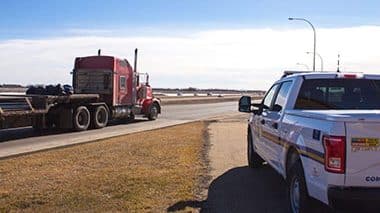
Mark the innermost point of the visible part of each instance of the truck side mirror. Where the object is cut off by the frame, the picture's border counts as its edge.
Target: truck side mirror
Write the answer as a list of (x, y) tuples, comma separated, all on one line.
[(245, 104)]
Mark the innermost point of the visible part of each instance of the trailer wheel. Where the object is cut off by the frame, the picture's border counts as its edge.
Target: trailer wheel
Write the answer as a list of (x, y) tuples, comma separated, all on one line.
[(81, 119), (37, 123), (100, 117), (153, 112)]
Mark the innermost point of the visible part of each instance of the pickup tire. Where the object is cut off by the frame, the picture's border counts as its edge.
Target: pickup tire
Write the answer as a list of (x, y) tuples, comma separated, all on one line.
[(298, 198), (100, 117), (81, 119), (254, 160)]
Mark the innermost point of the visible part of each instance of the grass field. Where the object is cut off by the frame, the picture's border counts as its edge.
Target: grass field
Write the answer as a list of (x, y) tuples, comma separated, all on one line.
[(146, 171)]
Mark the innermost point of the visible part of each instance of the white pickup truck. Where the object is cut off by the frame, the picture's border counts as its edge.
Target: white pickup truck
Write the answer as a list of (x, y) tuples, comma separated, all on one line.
[(321, 132)]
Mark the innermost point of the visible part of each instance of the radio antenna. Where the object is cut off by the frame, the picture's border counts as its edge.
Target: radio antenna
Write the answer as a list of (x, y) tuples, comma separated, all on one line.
[(338, 70)]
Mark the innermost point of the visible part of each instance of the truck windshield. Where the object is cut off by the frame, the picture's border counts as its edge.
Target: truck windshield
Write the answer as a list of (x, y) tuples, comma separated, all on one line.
[(320, 94)]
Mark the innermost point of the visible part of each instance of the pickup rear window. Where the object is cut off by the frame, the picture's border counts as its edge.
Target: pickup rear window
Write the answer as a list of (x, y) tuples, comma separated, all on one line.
[(320, 94)]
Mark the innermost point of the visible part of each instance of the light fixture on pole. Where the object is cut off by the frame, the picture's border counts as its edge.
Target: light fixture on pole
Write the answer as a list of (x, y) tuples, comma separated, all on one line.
[(320, 57), (315, 35), (305, 65)]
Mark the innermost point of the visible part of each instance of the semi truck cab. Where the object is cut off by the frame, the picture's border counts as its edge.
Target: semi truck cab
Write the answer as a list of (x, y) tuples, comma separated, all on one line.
[(124, 90)]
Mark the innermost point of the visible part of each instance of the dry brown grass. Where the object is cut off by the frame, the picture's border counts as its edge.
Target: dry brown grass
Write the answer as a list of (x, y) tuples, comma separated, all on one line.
[(146, 171)]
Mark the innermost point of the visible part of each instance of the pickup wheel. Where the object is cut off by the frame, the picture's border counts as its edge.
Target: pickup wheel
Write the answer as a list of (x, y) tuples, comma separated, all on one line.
[(153, 112), (100, 117), (254, 160), (298, 198), (81, 119)]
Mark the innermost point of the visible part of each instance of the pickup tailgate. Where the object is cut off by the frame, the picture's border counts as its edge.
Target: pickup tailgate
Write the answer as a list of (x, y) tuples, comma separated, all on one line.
[(363, 153)]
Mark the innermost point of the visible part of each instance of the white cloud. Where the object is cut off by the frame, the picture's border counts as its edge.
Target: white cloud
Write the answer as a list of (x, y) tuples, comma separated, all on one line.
[(245, 58)]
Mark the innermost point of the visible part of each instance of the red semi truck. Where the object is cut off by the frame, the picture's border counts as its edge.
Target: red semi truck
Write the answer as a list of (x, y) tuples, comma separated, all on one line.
[(105, 88)]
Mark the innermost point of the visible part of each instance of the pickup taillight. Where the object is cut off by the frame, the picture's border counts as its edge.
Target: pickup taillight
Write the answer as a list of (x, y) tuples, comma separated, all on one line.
[(335, 153)]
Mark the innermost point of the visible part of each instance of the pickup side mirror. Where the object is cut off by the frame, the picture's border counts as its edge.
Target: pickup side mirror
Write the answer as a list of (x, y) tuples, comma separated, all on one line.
[(245, 104), (277, 108)]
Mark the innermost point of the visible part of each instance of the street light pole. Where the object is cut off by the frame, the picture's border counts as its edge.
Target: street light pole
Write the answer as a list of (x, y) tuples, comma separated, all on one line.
[(315, 36), (320, 57), (305, 65)]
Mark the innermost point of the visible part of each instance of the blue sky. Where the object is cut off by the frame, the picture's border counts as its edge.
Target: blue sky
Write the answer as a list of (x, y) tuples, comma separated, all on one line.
[(41, 18), (242, 44)]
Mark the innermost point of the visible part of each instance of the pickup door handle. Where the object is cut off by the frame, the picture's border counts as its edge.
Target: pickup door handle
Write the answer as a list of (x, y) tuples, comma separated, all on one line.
[(262, 121), (275, 125)]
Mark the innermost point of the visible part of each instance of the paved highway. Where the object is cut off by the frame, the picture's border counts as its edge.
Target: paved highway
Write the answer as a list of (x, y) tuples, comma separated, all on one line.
[(25, 140)]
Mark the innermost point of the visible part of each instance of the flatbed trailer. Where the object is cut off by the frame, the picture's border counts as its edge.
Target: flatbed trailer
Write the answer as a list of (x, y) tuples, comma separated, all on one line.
[(43, 111)]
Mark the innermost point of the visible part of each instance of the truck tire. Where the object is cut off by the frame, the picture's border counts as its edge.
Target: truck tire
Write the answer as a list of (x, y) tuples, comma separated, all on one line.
[(298, 198), (153, 112), (100, 117), (40, 123), (81, 119), (37, 123), (130, 118), (254, 160)]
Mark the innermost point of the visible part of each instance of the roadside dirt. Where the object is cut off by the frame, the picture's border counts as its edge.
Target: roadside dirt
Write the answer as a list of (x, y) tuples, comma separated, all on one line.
[(234, 186), (227, 141)]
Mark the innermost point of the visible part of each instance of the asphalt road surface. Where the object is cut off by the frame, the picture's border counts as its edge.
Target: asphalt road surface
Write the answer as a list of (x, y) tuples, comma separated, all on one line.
[(25, 140)]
